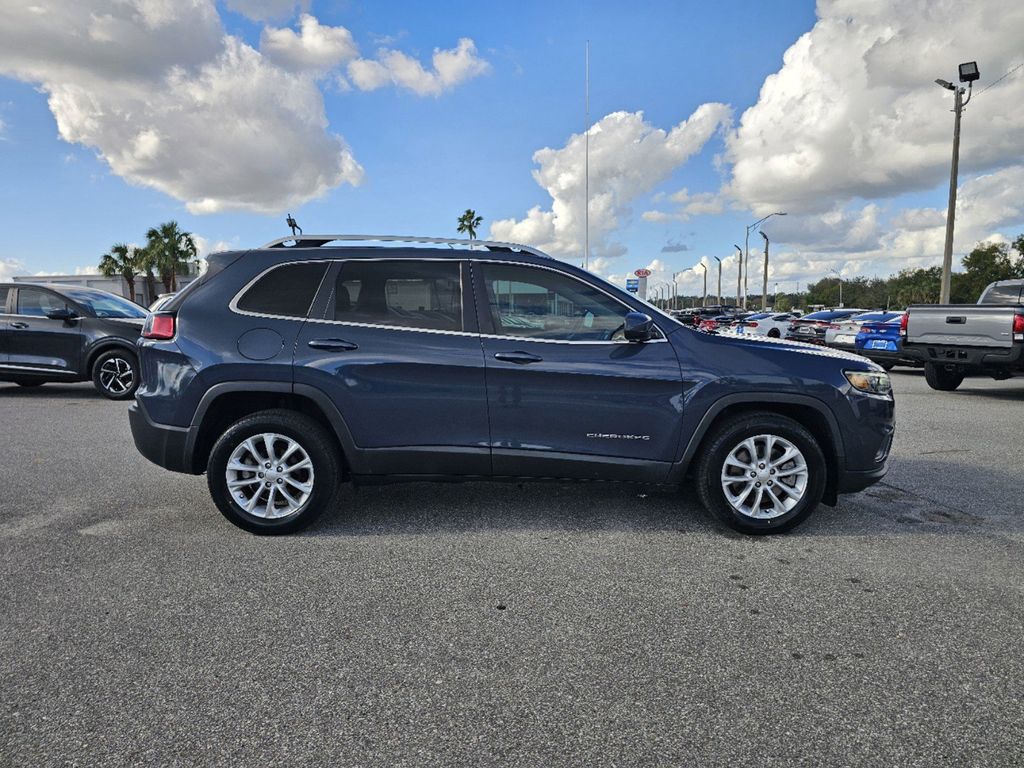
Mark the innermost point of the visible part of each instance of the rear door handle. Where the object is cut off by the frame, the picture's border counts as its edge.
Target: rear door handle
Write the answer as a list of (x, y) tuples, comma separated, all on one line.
[(19, 324), (520, 358), (335, 344)]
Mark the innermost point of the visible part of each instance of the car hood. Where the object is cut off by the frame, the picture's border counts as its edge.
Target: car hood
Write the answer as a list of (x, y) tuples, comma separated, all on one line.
[(796, 347)]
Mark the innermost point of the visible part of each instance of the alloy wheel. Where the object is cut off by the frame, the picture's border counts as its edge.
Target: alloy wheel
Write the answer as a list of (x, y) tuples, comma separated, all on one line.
[(117, 375), (764, 477), (270, 476)]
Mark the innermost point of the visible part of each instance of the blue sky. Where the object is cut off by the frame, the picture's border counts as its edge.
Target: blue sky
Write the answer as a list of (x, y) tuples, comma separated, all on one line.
[(425, 158)]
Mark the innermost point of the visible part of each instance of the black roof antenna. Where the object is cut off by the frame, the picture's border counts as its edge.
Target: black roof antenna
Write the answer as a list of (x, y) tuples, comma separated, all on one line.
[(293, 224)]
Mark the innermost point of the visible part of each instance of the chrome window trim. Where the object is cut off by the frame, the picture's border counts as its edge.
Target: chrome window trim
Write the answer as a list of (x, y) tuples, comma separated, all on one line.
[(233, 304)]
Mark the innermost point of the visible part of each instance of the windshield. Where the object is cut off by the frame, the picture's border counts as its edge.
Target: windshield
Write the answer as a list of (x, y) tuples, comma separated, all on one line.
[(103, 304)]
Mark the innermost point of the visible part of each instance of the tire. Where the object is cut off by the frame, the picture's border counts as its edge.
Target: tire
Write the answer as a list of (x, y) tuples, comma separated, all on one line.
[(941, 379), (887, 366), (791, 508), (296, 508), (115, 374), (774, 333), (30, 383)]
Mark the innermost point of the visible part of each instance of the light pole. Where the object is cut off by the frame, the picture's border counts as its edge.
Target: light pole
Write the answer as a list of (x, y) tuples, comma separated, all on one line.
[(968, 74), (764, 282), (739, 273), (746, 250), (705, 266), (840, 277), (675, 289), (719, 294)]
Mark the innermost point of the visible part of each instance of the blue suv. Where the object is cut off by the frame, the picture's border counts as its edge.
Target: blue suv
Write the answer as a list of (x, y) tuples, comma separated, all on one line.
[(288, 369)]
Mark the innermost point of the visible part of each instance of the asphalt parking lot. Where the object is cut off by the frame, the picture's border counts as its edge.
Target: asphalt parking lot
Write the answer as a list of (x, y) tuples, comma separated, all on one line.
[(502, 624)]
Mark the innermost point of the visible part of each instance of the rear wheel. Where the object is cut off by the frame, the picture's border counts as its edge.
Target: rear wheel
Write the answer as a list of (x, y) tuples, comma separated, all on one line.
[(941, 378), (761, 473), (774, 333), (30, 383), (888, 366), (274, 472), (115, 374)]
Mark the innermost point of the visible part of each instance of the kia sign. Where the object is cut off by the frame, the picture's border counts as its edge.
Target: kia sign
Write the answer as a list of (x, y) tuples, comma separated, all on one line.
[(643, 273)]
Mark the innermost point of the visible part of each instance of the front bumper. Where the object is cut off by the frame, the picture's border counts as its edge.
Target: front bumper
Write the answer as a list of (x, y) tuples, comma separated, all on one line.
[(852, 481), (166, 446)]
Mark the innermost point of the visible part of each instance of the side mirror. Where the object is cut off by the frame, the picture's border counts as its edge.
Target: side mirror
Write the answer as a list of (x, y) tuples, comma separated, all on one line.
[(63, 313), (637, 327)]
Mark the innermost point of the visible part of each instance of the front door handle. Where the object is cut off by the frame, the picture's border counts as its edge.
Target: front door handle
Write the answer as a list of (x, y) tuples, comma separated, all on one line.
[(338, 345), (19, 324), (521, 358)]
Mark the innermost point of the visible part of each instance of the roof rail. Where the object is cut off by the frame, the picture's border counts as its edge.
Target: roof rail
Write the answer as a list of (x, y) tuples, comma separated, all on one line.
[(316, 241)]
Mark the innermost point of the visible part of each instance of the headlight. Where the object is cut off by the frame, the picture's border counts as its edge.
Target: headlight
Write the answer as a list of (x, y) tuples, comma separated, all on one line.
[(870, 382)]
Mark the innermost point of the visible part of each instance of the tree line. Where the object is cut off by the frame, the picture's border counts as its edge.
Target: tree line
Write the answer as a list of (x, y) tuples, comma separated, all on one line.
[(168, 252), (985, 264)]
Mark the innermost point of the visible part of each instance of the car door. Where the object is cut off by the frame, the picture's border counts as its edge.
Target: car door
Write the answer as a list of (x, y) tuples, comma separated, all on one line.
[(399, 355), (567, 395), (37, 344)]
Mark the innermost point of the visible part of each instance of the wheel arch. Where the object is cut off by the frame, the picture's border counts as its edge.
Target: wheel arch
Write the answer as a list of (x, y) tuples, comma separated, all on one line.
[(807, 411), (107, 344), (224, 404)]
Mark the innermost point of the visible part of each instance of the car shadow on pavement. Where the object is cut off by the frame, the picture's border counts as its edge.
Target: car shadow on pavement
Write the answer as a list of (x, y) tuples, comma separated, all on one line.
[(483, 507), (50, 391)]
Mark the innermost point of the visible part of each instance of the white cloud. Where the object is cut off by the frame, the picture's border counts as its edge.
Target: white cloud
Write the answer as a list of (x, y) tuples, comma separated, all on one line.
[(266, 10), (9, 268), (450, 67), (854, 111), (628, 158), (170, 102), (697, 204), (315, 48), (204, 246)]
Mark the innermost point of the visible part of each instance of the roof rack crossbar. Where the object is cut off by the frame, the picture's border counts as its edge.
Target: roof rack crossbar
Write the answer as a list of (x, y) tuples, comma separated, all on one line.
[(316, 241)]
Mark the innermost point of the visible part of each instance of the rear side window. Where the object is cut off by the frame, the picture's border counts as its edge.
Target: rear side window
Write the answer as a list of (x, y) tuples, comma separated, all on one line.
[(4, 291), (401, 293), (1002, 294), (36, 302), (286, 291)]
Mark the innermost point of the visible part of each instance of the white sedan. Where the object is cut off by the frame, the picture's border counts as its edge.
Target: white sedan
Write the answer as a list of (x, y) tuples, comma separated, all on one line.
[(843, 334), (770, 324)]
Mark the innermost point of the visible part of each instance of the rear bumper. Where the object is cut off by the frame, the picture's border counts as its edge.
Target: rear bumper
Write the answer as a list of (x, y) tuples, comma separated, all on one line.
[(166, 446), (978, 358)]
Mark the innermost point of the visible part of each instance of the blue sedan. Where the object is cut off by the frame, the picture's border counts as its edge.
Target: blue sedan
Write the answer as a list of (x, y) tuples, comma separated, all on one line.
[(882, 342)]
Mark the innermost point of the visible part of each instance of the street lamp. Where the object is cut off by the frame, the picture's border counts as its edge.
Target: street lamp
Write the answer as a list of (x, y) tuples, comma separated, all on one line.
[(764, 283), (746, 250), (675, 289), (840, 276), (968, 74), (739, 273), (705, 266), (719, 294)]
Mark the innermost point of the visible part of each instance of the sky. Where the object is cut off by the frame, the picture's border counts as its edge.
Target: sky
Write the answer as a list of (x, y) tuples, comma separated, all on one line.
[(394, 117)]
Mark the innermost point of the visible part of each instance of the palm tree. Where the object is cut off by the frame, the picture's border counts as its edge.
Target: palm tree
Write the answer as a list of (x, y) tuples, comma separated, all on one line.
[(124, 260), (170, 252), (468, 222)]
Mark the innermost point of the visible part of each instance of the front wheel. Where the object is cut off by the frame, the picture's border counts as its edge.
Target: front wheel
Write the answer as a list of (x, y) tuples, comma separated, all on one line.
[(274, 472), (941, 378), (761, 473), (115, 374)]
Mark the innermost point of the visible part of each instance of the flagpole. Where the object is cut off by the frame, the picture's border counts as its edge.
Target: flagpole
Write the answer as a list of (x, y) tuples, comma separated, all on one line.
[(586, 165)]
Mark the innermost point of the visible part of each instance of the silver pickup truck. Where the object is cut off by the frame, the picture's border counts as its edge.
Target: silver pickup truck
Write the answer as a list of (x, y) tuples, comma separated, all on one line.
[(958, 340)]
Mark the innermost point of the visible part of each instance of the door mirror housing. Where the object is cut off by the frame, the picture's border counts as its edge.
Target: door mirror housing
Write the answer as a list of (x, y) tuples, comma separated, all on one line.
[(65, 314), (638, 326)]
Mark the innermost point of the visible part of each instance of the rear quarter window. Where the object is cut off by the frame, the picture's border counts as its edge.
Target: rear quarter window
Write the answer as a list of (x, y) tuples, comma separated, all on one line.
[(284, 291), (4, 293)]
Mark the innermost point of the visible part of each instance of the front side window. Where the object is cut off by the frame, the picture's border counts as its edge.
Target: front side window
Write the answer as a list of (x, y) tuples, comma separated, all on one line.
[(543, 304), (104, 304), (285, 291), (403, 293), (32, 301)]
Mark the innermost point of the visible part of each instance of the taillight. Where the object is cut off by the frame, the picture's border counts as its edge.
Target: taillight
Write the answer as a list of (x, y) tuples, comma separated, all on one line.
[(903, 323), (750, 325), (833, 326), (159, 326), (1018, 327)]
